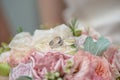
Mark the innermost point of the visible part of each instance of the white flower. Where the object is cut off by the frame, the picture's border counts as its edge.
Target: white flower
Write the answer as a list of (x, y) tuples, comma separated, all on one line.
[(21, 41), (21, 48), (4, 57), (41, 38), (21, 70)]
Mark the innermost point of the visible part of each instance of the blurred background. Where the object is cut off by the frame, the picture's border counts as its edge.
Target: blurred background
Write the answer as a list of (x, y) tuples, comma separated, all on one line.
[(103, 15)]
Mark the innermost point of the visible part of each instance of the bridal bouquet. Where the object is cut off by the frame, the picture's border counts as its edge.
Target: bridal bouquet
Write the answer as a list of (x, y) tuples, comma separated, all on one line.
[(66, 52)]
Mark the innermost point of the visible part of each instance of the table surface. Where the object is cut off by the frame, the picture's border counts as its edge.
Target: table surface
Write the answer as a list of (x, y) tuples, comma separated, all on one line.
[(3, 78)]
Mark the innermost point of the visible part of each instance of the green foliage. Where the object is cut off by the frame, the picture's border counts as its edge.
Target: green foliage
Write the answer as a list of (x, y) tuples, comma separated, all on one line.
[(4, 69), (97, 47), (118, 78), (53, 76), (73, 46), (77, 32), (4, 47), (20, 29), (69, 65), (24, 78), (73, 26)]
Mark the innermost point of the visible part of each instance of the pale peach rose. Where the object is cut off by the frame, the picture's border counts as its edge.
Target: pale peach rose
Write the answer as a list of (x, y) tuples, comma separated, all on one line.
[(116, 60), (19, 56), (112, 54), (21, 48), (90, 67)]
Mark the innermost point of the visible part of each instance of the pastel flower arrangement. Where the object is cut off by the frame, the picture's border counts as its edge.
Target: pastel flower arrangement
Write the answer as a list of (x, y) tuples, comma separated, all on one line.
[(66, 52)]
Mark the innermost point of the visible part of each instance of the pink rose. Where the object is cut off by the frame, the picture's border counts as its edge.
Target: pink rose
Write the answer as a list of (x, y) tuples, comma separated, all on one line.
[(21, 48), (89, 67), (116, 60), (19, 56), (109, 53), (51, 61), (112, 54)]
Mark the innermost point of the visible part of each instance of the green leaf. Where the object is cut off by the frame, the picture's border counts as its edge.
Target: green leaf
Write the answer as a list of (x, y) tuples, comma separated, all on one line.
[(20, 29), (98, 47), (53, 76), (4, 47), (68, 66), (74, 22), (24, 78), (78, 32), (73, 26), (4, 69), (118, 78), (73, 46), (1, 50)]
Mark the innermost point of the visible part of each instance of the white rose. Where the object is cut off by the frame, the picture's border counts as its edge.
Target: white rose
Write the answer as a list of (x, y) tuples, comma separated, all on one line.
[(41, 38), (21, 41)]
